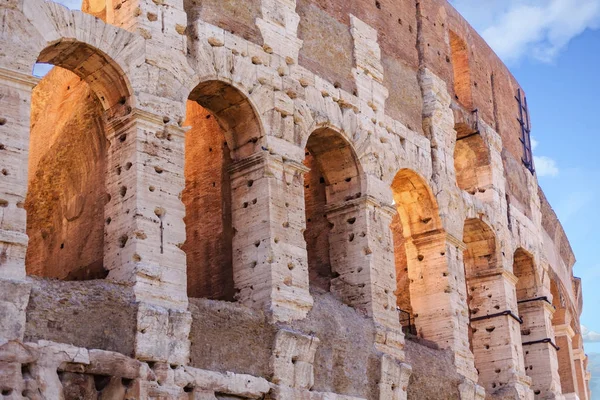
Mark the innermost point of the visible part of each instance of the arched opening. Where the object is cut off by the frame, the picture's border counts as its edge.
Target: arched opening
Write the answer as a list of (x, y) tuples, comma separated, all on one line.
[(524, 270), (224, 129), (479, 257), (68, 161), (419, 245), (333, 178), (472, 163)]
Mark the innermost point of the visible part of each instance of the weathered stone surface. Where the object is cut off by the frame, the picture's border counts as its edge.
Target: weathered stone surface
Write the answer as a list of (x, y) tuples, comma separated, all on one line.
[(317, 164)]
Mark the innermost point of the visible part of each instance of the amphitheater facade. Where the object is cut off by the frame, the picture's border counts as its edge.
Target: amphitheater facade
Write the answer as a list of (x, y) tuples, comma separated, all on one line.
[(273, 199)]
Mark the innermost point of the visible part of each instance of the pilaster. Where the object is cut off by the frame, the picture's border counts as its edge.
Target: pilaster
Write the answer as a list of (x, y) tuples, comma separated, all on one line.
[(270, 265), (438, 297), (496, 333), (539, 347), (566, 366), (15, 108)]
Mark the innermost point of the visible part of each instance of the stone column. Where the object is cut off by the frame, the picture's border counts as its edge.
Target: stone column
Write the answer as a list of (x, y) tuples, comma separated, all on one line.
[(437, 294), (566, 366), (15, 108), (540, 350), (496, 333), (270, 265), (362, 261), (580, 373), (144, 216), (144, 230)]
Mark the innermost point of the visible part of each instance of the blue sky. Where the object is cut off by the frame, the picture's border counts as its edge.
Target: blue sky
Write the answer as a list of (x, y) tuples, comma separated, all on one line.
[(553, 49)]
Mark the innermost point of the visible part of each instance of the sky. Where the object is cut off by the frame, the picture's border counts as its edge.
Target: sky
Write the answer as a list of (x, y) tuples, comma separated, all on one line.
[(552, 47)]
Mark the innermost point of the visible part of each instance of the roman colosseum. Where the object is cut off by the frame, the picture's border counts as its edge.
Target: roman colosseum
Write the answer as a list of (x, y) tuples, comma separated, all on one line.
[(273, 199)]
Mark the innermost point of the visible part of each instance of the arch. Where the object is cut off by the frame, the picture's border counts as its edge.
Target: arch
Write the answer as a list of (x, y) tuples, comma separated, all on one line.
[(472, 163), (415, 203), (481, 253), (91, 48), (524, 270), (224, 128), (334, 177), (68, 160), (418, 240), (235, 114), (104, 76)]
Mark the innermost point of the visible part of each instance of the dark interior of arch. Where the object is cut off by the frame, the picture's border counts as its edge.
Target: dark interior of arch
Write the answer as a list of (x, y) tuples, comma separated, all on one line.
[(66, 193), (333, 178), (234, 113), (472, 163), (207, 200), (417, 216), (480, 254), (523, 269)]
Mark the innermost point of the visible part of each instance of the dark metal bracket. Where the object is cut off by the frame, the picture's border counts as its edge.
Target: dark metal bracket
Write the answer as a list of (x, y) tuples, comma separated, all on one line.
[(542, 298), (500, 314), (547, 340)]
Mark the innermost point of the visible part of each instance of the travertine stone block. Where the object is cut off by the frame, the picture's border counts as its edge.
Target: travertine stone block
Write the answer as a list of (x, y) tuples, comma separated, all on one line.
[(269, 254), (14, 296), (292, 360), (144, 217), (394, 379)]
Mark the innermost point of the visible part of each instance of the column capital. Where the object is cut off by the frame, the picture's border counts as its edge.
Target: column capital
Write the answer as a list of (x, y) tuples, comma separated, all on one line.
[(116, 126), (564, 330), (264, 158), (579, 354), (509, 276), (19, 77), (363, 201)]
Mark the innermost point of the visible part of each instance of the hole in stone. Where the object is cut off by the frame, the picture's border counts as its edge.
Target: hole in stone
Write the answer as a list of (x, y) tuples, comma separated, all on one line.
[(188, 389), (250, 183), (3, 121), (100, 382), (2, 147), (127, 166), (351, 237), (122, 138), (348, 179), (126, 382), (6, 392), (487, 346), (123, 240), (420, 257), (62, 245), (166, 120), (490, 329), (158, 170), (123, 191), (3, 203), (351, 220), (151, 188), (4, 172), (257, 243)]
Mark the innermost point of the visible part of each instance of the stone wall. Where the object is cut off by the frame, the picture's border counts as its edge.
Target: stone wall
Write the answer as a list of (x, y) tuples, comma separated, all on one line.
[(262, 183)]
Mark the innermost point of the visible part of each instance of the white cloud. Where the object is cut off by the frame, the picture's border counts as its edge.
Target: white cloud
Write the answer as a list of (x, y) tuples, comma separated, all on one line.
[(545, 166), (534, 143), (535, 28), (589, 336)]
